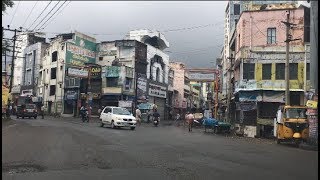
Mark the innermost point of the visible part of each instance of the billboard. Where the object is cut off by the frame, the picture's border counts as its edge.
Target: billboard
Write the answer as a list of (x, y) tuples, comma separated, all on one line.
[(198, 76), (80, 51), (142, 84)]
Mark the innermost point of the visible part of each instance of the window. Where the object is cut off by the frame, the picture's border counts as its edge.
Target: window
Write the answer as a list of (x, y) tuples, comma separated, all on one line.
[(293, 71), (158, 74), (53, 73), (266, 71), (248, 71), (100, 58), (107, 110), (54, 56), (128, 84), (271, 36), (52, 90), (236, 22), (62, 47), (61, 67), (236, 9), (308, 71), (112, 82), (280, 71)]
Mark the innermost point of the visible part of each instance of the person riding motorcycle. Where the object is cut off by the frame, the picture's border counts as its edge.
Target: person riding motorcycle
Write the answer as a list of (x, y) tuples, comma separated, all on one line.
[(83, 111), (156, 115)]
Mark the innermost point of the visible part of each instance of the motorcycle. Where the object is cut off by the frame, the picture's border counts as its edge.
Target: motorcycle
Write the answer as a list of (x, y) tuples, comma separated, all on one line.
[(155, 121), (85, 116)]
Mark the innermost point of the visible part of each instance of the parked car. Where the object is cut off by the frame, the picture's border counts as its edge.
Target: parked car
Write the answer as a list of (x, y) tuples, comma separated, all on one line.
[(117, 117), (27, 110)]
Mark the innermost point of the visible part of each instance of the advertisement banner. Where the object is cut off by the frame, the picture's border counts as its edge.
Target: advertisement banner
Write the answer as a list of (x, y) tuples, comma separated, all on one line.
[(77, 72), (112, 71), (142, 84), (201, 76), (80, 52)]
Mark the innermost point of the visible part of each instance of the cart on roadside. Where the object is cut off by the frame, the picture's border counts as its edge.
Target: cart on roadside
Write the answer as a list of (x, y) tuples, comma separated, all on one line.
[(216, 125)]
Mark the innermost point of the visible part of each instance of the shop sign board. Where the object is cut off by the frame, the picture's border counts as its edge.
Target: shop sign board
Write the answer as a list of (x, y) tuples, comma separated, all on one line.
[(77, 72), (157, 90)]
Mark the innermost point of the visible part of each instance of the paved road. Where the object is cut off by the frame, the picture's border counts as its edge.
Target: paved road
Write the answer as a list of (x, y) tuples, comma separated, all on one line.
[(65, 148)]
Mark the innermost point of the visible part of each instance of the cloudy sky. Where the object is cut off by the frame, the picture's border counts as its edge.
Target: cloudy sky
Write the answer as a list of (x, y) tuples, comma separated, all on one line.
[(193, 29)]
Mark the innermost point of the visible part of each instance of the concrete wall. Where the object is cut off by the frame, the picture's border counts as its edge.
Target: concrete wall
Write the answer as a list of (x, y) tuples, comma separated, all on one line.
[(178, 81)]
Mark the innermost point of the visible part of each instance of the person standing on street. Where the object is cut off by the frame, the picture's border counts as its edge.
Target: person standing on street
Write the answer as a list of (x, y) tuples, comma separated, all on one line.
[(190, 119), (138, 116), (42, 111)]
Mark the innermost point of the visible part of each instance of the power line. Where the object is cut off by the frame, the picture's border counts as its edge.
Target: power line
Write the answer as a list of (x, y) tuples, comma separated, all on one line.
[(57, 14), (52, 15), (30, 13), (45, 16), (40, 14), (14, 13)]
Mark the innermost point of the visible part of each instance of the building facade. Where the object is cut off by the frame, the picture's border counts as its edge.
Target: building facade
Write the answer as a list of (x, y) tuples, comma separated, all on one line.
[(259, 66), (157, 68)]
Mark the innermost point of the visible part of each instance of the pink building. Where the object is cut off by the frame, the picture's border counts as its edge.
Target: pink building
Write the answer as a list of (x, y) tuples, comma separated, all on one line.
[(179, 86), (259, 65)]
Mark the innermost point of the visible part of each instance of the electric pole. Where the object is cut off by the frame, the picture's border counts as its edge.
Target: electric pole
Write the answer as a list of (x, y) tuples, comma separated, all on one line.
[(287, 65), (13, 54)]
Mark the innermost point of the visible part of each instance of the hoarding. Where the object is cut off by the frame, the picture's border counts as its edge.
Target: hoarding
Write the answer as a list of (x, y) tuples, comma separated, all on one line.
[(112, 71), (142, 84), (197, 76), (80, 51)]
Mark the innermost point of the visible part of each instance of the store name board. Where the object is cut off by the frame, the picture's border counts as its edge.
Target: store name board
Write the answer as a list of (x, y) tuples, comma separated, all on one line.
[(77, 72), (157, 91), (95, 72), (201, 76)]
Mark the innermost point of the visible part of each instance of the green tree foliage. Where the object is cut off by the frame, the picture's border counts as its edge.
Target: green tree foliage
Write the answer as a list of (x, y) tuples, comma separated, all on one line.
[(5, 4)]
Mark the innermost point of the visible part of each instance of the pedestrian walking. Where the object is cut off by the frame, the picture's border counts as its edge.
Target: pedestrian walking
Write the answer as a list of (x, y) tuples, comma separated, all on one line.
[(190, 118), (42, 111), (138, 116)]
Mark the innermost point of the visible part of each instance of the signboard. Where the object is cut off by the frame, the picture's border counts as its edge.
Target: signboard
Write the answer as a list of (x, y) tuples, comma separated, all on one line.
[(193, 76), (80, 52), (95, 72), (142, 88), (129, 72), (157, 90), (71, 95), (77, 73), (125, 104), (112, 71), (5, 95)]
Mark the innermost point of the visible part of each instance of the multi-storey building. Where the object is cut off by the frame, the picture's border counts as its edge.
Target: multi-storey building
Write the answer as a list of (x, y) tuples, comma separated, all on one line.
[(123, 63), (157, 68), (259, 66), (31, 65), (64, 74)]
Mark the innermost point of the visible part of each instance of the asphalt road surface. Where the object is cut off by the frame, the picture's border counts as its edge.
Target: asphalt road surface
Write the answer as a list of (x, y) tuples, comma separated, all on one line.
[(65, 148)]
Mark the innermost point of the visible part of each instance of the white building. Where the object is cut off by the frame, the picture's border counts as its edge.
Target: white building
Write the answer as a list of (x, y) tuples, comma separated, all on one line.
[(157, 68)]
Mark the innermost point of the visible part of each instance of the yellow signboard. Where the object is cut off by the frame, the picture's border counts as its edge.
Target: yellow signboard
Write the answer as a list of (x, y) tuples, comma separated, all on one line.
[(5, 95), (312, 104)]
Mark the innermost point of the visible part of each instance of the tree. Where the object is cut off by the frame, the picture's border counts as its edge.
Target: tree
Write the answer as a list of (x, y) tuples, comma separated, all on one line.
[(5, 4)]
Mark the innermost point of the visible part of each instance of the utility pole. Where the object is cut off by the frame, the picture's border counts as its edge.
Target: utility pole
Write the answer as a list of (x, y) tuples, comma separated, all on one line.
[(287, 41), (13, 54)]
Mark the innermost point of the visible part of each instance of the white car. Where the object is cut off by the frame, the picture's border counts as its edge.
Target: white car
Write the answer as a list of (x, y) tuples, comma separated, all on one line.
[(117, 117)]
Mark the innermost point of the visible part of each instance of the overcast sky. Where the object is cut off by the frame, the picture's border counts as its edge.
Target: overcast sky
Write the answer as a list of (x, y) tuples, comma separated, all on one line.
[(197, 47)]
